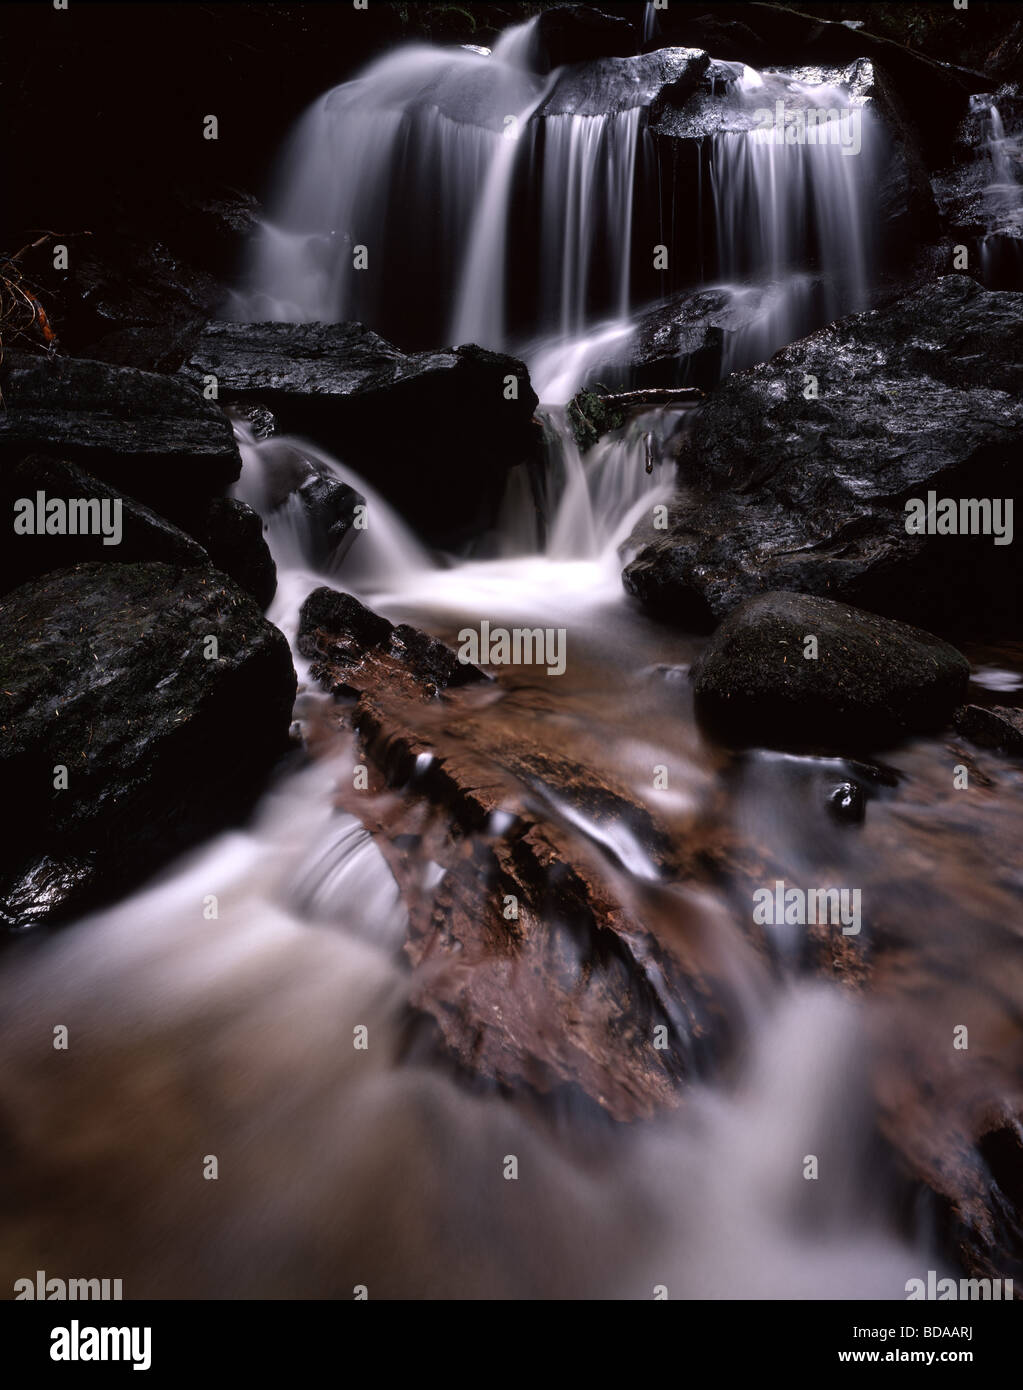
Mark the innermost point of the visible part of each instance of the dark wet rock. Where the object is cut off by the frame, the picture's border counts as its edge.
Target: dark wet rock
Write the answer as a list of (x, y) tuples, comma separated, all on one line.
[(152, 436), (847, 803), (578, 34), (432, 662), (340, 615), (873, 681), (609, 85), (781, 492), (143, 535), (231, 534), (432, 430), (994, 726), (1005, 60), (104, 673), (340, 636), (259, 419), (140, 299)]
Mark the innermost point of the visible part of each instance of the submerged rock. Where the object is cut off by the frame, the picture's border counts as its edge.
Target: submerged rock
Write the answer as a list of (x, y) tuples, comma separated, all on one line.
[(124, 737), (339, 635), (152, 436), (995, 726), (436, 432), (865, 680), (778, 491)]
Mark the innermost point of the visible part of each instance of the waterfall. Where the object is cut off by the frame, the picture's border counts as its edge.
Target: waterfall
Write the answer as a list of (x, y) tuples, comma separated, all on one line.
[(436, 199), (779, 208), (1001, 249), (403, 147)]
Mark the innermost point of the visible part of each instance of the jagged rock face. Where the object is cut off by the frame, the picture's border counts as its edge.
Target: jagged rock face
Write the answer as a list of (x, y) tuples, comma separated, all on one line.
[(798, 671), (151, 436), (579, 34), (109, 674), (783, 492), (435, 432)]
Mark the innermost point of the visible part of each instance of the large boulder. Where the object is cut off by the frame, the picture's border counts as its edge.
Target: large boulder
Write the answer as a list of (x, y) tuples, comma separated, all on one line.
[(864, 680), (154, 437), (64, 516), (125, 736), (778, 491), (435, 432)]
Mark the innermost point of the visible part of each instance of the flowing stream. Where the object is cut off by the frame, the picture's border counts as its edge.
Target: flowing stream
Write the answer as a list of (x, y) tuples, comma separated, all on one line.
[(233, 1036)]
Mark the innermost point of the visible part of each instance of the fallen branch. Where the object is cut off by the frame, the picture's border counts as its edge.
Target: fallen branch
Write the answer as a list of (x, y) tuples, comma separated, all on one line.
[(653, 395)]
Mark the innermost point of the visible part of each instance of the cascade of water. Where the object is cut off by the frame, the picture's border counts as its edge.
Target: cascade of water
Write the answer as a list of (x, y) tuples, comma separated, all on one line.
[(405, 145), (1001, 246), (780, 208), (525, 221)]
